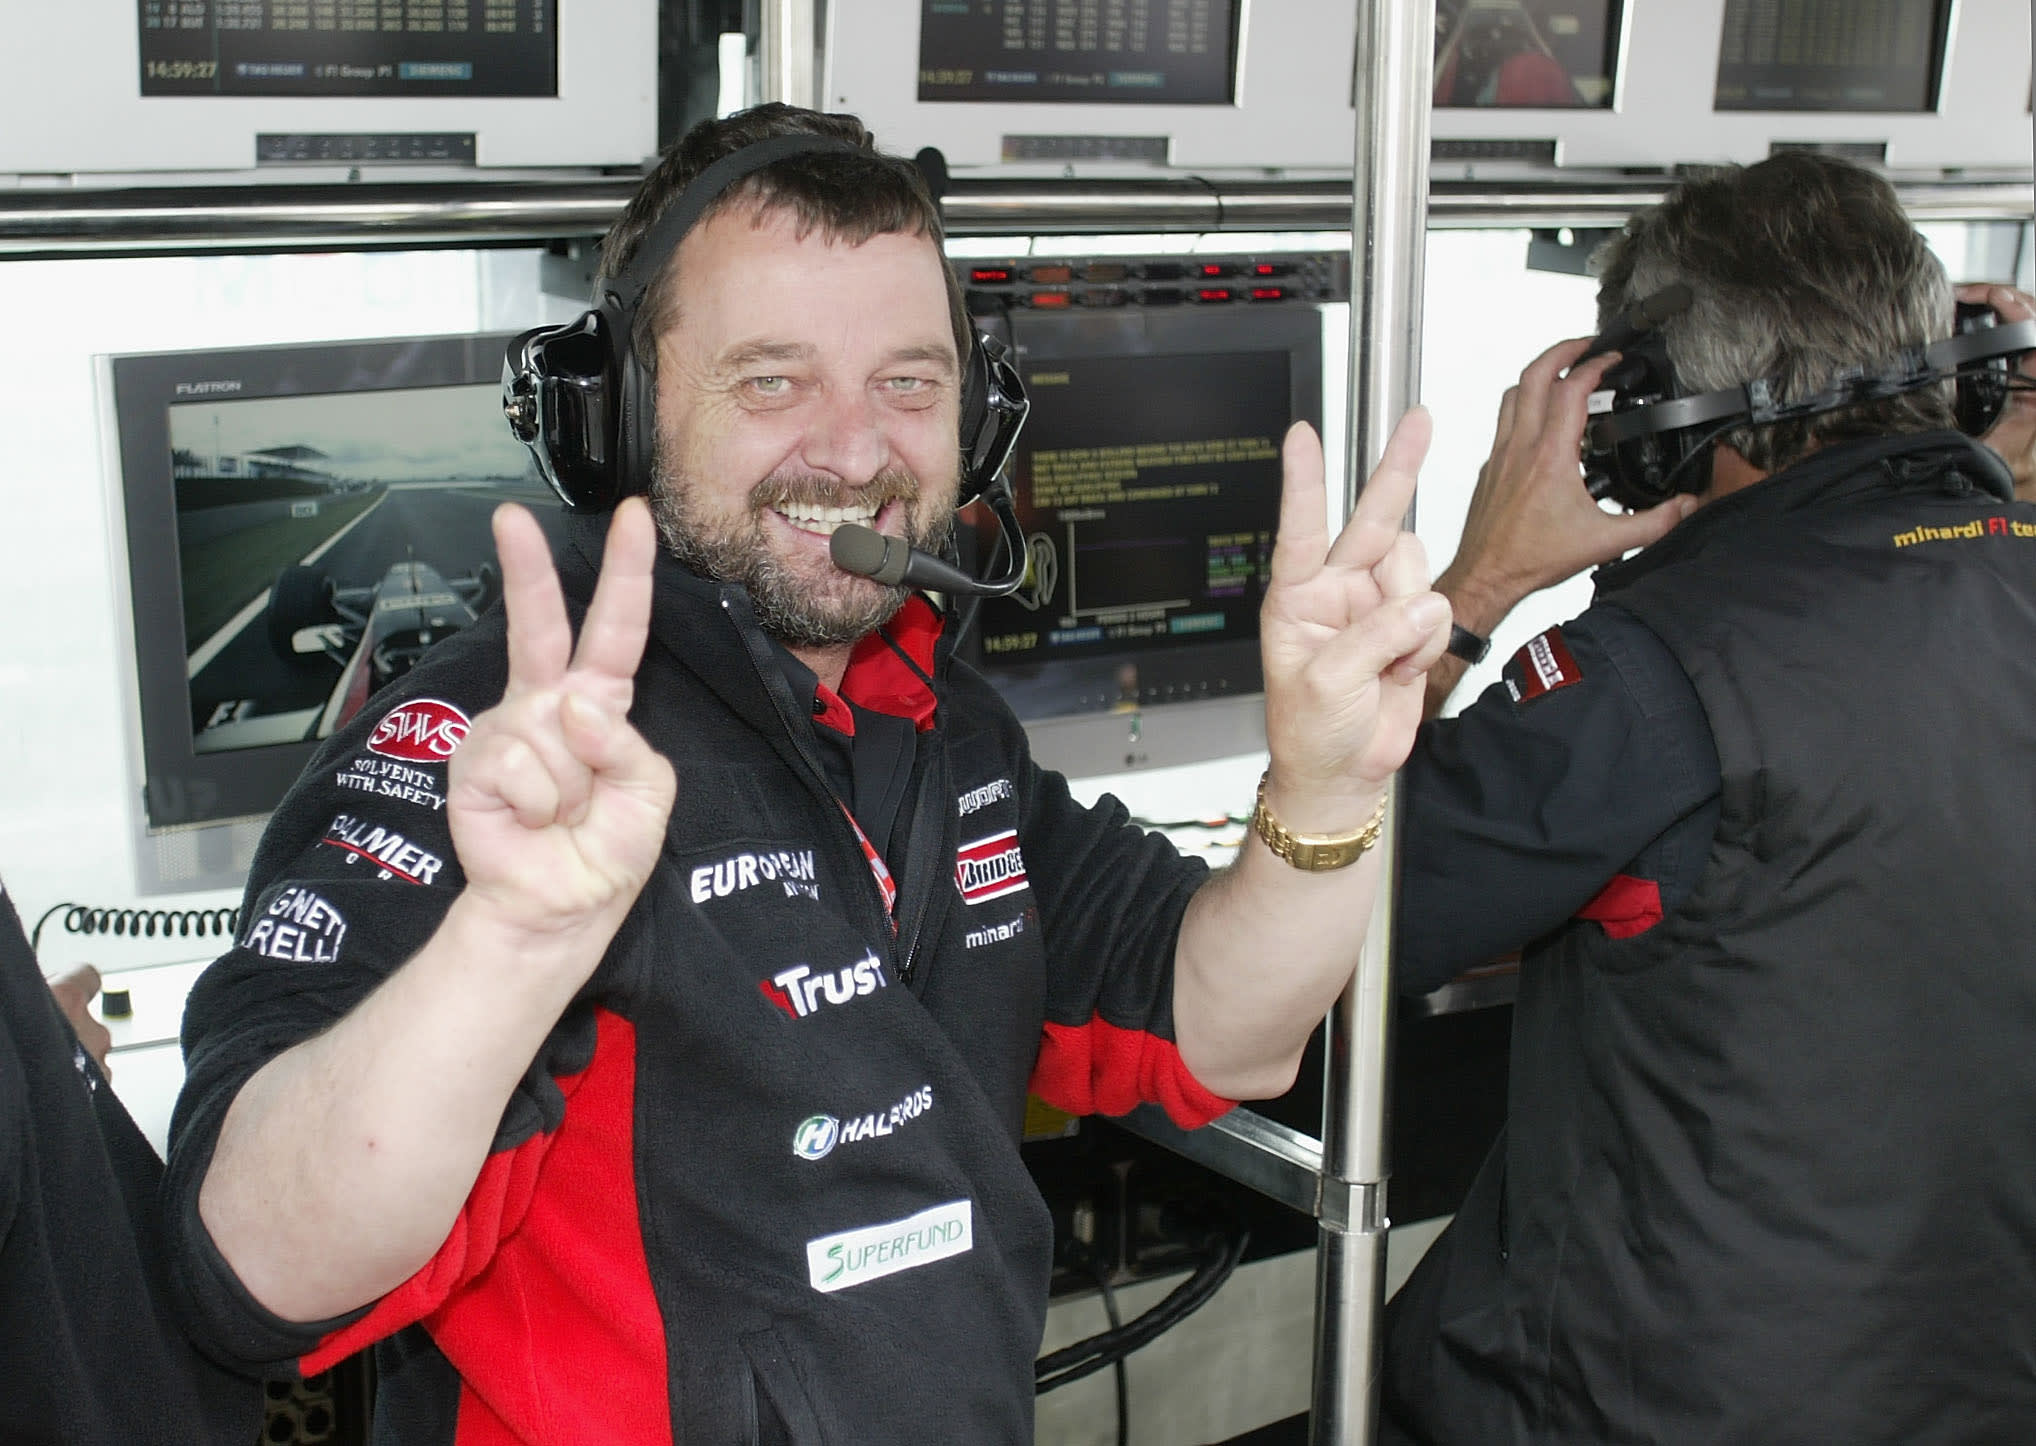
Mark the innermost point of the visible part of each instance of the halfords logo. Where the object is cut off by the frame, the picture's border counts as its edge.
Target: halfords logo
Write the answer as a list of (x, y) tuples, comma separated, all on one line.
[(746, 871), (836, 1262), (206, 389), (799, 991), (817, 1136), (394, 856), (990, 867), (298, 928), (423, 730)]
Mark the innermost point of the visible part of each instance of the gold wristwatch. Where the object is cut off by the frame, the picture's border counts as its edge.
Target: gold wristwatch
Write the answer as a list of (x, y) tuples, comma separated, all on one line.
[(1315, 853)]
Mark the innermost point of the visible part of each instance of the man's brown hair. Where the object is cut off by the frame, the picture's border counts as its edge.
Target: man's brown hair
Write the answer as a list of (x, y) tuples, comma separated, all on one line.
[(845, 197)]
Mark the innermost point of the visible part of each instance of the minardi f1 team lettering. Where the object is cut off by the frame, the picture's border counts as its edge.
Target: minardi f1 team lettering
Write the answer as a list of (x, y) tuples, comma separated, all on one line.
[(798, 991)]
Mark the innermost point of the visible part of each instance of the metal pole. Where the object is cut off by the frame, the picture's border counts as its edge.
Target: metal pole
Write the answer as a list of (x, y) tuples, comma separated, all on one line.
[(1395, 67), (785, 47)]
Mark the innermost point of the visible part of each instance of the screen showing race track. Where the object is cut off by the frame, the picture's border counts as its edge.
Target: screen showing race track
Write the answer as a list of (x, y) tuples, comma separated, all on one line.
[(1527, 54), (1832, 55), (1149, 490), (349, 47), (1152, 52), (324, 542)]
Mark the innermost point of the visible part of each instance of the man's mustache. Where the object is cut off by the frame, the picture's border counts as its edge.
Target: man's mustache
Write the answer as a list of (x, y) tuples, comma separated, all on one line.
[(893, 484)]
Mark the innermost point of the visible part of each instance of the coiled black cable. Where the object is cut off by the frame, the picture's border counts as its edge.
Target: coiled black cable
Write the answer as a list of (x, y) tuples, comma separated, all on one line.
[(139, 923)]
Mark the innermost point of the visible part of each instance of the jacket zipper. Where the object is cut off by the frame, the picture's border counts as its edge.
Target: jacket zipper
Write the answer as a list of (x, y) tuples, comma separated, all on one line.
[(780, 694)]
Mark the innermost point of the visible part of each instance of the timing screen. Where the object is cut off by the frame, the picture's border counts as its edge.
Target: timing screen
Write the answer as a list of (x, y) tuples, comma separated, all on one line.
[(325, 542), (1831, 55), (1536, 54), (349, 47), (1149, 487), (1158, 52)]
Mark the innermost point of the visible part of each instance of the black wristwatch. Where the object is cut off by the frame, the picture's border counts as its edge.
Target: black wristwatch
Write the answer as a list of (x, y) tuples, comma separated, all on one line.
[(1465, 644)]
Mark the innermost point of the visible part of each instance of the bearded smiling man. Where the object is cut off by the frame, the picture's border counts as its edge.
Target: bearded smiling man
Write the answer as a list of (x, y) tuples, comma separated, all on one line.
[(685, 1102)]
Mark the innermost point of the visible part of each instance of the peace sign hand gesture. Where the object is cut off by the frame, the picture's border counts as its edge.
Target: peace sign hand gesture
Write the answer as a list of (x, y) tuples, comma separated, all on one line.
[(1347, 632), (557, 804)]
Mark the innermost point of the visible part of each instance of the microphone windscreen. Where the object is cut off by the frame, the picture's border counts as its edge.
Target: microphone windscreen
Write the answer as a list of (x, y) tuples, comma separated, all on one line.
[(867, 553)]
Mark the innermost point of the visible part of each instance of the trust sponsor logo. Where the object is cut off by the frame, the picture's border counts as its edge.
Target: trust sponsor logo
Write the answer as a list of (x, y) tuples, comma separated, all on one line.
[(854, 1257), (799, 992), (995, 791), (298, 927), (990, 867), (787, 868), (386, 778), (423, 730), (392, 855), (817, 1135)]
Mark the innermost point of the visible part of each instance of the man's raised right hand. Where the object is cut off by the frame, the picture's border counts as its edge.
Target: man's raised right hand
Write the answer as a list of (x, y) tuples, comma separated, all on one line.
[(557, 804)]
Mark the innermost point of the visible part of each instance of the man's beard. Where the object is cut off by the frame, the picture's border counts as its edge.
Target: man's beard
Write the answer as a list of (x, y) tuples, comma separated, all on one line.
[(792, 608)]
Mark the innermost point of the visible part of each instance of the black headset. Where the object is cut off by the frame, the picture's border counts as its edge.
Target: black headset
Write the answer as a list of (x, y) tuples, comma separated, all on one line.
[(579, 399), (1647, 440)]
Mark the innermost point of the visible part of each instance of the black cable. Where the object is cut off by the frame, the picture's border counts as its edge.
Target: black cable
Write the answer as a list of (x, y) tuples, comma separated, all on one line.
[(1214, 821), (139, 923), (1123, 1374), (1086, 1357)]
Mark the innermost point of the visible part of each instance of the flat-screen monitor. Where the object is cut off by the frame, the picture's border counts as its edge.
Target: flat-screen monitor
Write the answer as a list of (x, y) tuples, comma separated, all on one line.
[(301, 523), (1047, 87), (1148, 482), (1538, 54), (208, 88), (1832, 55), (1135, 52), (1923, 87)]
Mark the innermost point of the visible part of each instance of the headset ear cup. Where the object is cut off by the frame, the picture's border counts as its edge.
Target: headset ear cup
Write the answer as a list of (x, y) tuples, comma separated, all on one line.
[(975, 422), (636, 429)]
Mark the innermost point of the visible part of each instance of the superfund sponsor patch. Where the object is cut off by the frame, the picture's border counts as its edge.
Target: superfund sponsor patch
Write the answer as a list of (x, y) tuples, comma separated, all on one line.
[(990, 867), (424, 730), (856, 1257), (1544, 665)]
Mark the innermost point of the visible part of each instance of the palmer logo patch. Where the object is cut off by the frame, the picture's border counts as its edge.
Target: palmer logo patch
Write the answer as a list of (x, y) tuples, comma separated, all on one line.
[(990, 867), (854, 1257)]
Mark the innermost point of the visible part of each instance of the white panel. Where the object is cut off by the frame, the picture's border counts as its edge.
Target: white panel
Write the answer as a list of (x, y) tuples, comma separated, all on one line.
[(1663, 117), (1293, 94), (74, 105)]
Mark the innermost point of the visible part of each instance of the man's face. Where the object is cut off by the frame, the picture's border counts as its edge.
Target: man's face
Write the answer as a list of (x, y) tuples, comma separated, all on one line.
[(803, 383)]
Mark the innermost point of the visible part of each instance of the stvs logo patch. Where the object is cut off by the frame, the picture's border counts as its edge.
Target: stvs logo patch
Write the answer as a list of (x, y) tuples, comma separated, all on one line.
[(989, 868), (424, 730)]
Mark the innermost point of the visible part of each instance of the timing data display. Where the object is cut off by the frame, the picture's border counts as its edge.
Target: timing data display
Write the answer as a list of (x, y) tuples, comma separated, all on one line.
[(349, 47), (1154, 52), (1831, 55), (1528, 54), (1149, 488), (325, 543)]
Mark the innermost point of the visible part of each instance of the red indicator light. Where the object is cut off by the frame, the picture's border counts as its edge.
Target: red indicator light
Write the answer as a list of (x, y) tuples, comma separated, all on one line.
[(1213, 293), (982, 274), (1267, 293), (1265, 268), (1051, 299), (1213, 268)]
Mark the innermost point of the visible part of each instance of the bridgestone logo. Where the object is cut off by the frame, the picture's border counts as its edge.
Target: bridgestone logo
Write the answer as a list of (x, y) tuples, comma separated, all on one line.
[(836, 1262), (990, 867)]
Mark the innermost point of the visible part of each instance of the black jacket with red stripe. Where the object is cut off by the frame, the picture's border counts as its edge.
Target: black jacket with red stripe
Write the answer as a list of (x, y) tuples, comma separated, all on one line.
[(1763, 1177), (762, 1182)]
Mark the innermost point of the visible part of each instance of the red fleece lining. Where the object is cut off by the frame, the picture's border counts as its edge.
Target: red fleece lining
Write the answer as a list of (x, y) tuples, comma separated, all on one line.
[(879, 680), (541, 1297), (833, 712), (1099, 1069), (1625, 907)]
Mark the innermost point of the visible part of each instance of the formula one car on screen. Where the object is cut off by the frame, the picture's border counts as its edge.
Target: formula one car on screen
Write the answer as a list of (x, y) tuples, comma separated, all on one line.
[(374, 633)]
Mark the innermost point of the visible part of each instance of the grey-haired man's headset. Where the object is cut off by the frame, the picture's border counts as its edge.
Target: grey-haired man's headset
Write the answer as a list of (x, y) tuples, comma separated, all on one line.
[(1647, 440), (579, 399)]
